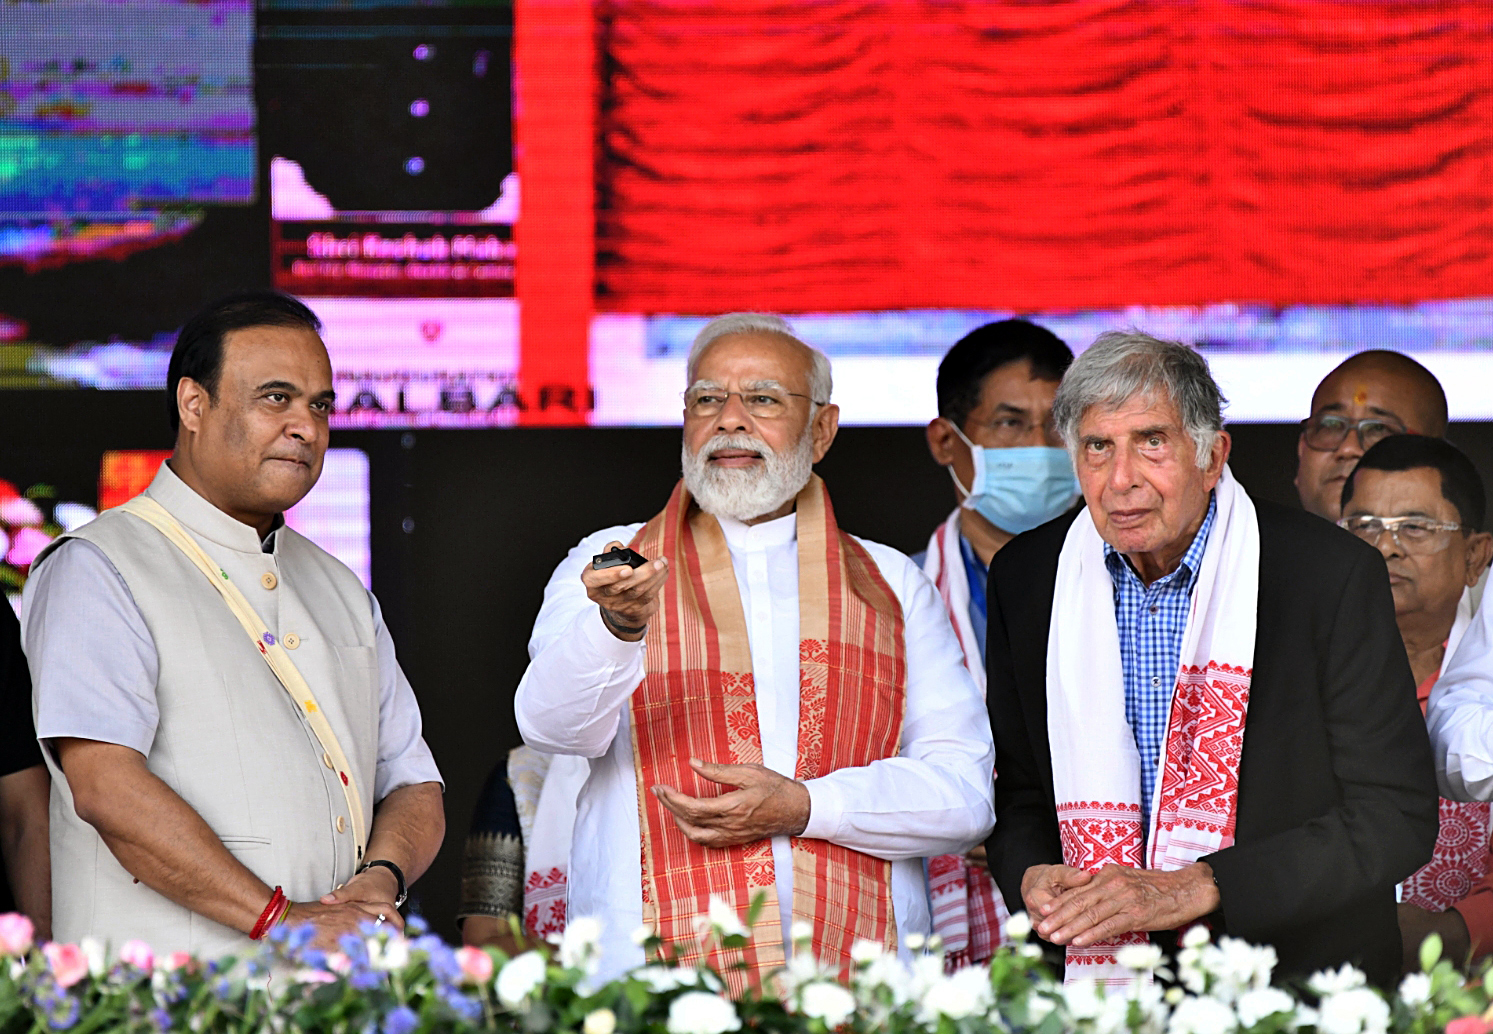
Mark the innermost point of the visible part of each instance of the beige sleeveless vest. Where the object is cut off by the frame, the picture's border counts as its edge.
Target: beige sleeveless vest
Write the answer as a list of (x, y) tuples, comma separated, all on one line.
[(230, 740)]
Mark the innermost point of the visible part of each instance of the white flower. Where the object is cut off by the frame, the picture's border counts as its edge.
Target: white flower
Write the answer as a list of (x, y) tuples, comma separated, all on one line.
[(391, 955), (700, 1012), (662, 979), (1359, 1010), (801, 931), (1082, 999), (1139, 957), (724, 918), (965, 993), (1037, 1008), (888, 973), (1330, 981), (519, 978), (1202, 1016), (579, 944), (1030, 951), (93, 951), (863, 951), (1174, 995), (828, 1002), (641, 934), (1241, 965), (1415, 989), (1019, 926), (915, 941), (1258, 1003), (602, 1021), (1196, 936)]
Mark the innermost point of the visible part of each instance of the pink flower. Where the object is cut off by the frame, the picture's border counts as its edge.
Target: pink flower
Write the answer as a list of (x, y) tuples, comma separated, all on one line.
[(476, 964), (339, 963), (69, 963), (1467, 1025), (16, 934), (175, 961), (25, 544), (137, 954)]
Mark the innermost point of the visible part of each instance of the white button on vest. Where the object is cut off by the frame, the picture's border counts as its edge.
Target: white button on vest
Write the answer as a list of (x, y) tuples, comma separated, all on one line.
[(291, 640), (341, 825), (326, 759), (269, 581)]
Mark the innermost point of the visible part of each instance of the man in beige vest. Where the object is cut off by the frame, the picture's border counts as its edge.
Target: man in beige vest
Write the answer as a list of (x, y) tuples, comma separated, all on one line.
[(231, 740)]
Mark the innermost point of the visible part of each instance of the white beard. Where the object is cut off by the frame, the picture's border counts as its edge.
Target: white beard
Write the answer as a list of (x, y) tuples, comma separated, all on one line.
[(744, 493)]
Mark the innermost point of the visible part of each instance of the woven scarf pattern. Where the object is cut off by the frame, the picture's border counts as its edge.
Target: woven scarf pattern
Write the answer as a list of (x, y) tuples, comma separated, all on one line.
[(698, 700)]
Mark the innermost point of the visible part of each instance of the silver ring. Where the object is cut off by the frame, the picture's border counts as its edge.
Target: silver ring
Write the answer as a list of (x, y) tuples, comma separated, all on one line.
[(381, 918)]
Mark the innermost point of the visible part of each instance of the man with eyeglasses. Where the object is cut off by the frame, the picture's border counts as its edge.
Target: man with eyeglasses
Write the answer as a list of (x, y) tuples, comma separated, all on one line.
[(1420, 502), (1369, 396), (994, 435), (776, 713)]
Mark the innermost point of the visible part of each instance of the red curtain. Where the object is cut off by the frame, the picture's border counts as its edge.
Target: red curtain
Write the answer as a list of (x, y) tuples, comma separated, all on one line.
[(852, 154)]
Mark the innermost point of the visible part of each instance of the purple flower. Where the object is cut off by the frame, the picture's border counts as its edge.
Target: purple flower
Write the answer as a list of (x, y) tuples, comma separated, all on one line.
[(466, 1007), (416, 925), (64, 1014), (160, 1019), (401, 1021)]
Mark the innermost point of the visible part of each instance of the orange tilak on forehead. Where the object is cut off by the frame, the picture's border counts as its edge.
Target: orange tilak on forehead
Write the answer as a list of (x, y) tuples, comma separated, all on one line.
[(1360, 397)]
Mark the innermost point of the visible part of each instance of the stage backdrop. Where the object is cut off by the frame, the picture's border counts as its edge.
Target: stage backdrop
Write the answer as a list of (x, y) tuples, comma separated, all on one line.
[(1281, 183)]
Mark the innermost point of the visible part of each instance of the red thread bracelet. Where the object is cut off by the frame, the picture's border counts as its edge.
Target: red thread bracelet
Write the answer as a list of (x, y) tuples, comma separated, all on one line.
[(266, 918)]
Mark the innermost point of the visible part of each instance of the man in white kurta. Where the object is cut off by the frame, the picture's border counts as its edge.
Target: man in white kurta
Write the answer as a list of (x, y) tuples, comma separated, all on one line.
[(211, 780), (932, 797)]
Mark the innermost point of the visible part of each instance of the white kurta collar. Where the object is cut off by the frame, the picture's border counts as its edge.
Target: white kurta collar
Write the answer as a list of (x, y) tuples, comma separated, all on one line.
[(749, 538), (202, 517)]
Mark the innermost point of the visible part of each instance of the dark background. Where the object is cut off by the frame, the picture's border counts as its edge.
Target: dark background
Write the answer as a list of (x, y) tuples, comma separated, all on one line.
[(490, 513)]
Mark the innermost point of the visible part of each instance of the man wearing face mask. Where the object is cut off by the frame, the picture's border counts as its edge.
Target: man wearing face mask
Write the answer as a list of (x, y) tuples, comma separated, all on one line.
[(994, 435)]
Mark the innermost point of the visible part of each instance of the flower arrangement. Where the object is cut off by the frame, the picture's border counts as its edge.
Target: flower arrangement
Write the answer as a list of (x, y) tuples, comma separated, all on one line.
[(381, 982)]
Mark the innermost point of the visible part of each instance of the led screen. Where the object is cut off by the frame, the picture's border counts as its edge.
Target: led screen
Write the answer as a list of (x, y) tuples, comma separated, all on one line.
[(1282, 185)]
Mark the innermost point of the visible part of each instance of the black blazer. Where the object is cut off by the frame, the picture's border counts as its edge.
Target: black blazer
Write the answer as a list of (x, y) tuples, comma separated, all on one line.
[(1337, 793)]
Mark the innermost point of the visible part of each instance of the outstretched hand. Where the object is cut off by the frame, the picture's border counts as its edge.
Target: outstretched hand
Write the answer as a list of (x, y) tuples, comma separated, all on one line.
[(628, 596), (764, 804)]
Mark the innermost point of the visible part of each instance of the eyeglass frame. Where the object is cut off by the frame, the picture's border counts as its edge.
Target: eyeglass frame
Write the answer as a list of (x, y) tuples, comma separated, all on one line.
[(1393, 525), (1353, 427), (689, 406)]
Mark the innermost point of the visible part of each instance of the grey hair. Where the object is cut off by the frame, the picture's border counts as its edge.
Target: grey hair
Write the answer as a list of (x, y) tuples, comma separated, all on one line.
[(1120, 365), (821, 384)]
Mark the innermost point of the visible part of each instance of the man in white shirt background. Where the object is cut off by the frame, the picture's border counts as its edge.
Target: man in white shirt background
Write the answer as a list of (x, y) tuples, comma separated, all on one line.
[(788, 704)]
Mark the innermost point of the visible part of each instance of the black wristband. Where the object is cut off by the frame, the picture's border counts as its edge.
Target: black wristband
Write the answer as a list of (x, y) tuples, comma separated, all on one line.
[(398, 876), (611, 622)]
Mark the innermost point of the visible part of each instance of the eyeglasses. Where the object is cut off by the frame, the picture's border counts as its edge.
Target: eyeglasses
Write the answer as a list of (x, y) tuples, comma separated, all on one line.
[(1416, 536), (762, 404), (1326, 431)]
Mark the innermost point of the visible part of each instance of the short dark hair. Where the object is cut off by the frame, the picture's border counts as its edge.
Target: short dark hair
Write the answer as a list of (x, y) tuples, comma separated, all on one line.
[(199, 346), (1460, 483), (961, 375)]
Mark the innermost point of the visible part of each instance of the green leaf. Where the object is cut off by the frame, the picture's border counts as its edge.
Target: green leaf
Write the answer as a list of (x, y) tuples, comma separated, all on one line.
[(1430, 952)]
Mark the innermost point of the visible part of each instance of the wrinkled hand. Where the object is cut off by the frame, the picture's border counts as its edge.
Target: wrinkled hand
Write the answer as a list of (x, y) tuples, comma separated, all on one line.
[(1118, 900), (765, 804), (1416, 924), (1041, 884), (627, 596)]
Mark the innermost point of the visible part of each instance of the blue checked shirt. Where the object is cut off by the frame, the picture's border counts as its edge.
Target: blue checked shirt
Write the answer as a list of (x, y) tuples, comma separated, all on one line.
[(1152, 620)]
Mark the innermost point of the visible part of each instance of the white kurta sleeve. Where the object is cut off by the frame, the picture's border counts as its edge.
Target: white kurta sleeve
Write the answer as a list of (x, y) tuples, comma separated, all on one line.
[(1460, 714), (937, 796), (580, 676)]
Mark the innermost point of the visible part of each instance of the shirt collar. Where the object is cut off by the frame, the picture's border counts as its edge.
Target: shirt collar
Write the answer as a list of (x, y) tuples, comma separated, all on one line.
[(741, 537), (1192, 561), (206, 520)]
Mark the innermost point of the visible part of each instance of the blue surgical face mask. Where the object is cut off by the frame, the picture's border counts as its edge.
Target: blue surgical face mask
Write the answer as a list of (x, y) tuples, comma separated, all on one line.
[(1020, 488)]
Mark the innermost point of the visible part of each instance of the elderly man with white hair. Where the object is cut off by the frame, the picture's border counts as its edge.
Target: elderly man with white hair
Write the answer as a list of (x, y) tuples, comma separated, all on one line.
[(1202, 711), (775, 711)]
